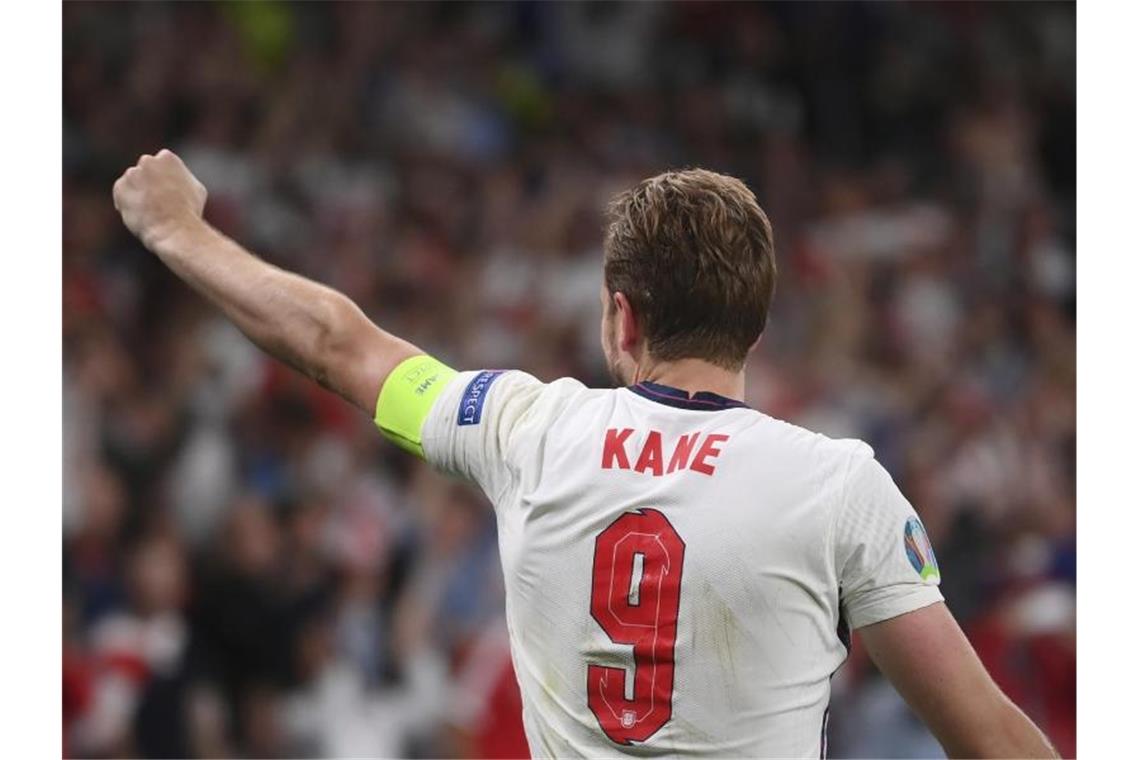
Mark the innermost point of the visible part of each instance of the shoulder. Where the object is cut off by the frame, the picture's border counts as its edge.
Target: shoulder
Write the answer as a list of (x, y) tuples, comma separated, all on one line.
[(506, 398), (513, 381), (807, 462), (796, 441), (517, 384)]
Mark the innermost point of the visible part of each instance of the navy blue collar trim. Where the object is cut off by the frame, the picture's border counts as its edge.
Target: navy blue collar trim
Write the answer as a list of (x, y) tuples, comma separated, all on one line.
[(701, 400)]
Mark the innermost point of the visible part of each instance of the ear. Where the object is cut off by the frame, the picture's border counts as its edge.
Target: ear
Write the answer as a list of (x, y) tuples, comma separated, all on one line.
[(628, 327)]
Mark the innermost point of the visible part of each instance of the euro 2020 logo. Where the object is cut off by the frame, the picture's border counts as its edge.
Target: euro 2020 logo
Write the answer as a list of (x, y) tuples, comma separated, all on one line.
[(918, 549)]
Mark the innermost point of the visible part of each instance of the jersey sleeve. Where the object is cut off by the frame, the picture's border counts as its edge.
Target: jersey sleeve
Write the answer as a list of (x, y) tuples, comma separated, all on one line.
[(478, 424), (885, 562)]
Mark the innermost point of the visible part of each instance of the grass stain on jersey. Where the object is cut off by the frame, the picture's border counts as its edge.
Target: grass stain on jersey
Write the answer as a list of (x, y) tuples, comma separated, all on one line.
[(725, 637), (699, 740)]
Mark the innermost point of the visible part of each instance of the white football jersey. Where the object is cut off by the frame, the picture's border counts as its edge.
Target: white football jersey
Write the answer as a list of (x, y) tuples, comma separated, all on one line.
[(680, 571)]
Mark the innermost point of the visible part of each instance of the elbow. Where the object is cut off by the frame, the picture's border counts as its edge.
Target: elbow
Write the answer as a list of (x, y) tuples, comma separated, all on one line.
[(1007, 733), (348, 354), (334, 338)]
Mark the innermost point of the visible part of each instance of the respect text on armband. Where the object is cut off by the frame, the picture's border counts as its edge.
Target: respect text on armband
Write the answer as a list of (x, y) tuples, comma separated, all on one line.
[(474, 395)]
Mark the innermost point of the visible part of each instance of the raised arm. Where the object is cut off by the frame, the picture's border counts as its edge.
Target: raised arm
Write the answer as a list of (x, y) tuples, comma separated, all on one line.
[(311, 327), (929, 660)]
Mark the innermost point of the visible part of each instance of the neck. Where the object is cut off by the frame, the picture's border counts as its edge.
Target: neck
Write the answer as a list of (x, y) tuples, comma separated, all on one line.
[(693, 376)]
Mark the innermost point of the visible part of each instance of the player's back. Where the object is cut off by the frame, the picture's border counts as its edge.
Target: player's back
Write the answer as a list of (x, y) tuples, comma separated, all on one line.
[(671, 566)]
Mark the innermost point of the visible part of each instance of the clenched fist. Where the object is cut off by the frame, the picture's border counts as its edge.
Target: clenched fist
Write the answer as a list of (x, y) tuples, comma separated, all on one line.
[(158, 197)]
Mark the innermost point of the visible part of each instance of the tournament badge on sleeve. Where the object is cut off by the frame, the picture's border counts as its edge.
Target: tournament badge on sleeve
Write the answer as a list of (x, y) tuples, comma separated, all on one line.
[(919, 551)]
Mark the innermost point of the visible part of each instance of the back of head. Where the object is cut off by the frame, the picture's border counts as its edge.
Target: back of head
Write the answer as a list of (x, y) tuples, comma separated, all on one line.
[(692, 251)]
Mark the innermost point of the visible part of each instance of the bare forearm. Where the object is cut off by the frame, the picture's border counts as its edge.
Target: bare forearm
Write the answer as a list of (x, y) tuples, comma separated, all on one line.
[(282, 313), (307, 325)]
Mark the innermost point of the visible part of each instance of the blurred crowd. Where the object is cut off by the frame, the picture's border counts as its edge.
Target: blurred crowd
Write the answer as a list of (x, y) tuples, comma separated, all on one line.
[(250, 570)]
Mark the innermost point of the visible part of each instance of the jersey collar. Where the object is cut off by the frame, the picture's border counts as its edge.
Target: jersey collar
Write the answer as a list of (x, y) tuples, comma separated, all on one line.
[(701, 400)]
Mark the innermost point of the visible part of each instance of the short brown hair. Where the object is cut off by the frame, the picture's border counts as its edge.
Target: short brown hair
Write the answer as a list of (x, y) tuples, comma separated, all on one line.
[(692, 251)]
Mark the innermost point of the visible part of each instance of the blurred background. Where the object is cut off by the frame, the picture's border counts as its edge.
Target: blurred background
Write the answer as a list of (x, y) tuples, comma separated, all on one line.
[(249, 570)]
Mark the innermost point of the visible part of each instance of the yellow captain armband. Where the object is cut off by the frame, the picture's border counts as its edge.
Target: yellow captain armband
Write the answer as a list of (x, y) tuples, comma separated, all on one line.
[(406, 398)]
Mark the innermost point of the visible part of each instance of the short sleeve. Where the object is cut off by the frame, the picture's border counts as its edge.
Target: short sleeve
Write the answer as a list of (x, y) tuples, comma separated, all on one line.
[(477, 421), (884, 560)]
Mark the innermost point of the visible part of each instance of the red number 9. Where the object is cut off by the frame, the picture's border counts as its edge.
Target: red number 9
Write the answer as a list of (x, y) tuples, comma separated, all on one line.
[(639, 611)]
